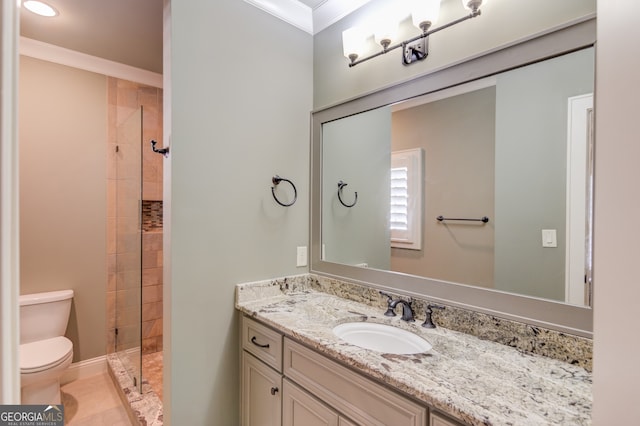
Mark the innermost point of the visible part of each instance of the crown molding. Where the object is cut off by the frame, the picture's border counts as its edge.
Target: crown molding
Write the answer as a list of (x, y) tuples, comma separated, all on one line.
[(303, 17), (332, 11), (291, 11), (59, 55)]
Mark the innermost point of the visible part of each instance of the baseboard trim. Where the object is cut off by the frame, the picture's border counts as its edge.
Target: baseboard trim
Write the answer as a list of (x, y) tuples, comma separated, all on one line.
[(84, 369)]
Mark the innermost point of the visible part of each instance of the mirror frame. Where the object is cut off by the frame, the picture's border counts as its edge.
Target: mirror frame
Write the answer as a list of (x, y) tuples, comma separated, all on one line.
[(576, 320)]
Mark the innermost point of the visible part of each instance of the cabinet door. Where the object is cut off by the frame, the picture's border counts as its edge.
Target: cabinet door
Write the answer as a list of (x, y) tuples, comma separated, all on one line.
[(261, 393), (301, 409)]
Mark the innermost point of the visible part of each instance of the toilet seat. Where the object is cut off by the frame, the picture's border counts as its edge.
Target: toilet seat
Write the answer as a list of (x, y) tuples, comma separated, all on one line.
[(44, 354)]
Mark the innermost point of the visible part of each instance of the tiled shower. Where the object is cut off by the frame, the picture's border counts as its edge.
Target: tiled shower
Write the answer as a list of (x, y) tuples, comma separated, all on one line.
[(134, 230)]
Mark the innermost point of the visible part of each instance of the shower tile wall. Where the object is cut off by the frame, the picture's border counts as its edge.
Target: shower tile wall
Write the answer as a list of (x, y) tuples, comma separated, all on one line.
[(125, 98)]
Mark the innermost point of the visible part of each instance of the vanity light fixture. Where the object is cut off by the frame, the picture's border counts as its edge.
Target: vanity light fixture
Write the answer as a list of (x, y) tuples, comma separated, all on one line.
[(40, 8), (424, 13)]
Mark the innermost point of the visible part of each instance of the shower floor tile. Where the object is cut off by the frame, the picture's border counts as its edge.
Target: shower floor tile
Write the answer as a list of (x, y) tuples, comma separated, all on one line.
[(152, 371)]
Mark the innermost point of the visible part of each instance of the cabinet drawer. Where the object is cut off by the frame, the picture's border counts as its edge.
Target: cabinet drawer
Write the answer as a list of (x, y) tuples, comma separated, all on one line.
[(263, 342), (361, 399)]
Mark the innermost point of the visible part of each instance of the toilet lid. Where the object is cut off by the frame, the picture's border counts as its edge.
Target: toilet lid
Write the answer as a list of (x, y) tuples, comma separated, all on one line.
[(43, 354)]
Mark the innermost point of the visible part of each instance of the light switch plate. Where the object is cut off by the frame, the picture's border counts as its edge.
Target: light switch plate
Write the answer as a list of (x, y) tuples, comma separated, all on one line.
[(549, 238), (301, 257)]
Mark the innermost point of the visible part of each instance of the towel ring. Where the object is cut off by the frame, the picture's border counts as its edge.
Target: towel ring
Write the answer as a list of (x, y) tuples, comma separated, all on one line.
[(276, 180), (341, 185)]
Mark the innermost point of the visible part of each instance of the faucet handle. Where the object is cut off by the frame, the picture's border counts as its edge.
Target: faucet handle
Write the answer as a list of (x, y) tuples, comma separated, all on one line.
[(428, 322), (390, 312)]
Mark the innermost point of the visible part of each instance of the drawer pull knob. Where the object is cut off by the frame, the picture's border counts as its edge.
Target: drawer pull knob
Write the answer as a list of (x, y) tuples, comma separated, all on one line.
[(274, 390), (253, 340)]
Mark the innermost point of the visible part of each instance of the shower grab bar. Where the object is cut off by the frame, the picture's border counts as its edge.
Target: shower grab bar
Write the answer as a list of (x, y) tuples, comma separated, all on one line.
[(483, 219), (276, 180)]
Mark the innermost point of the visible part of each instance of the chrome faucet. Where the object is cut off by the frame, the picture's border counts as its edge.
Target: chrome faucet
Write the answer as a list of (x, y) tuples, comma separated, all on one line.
[(407, 311)]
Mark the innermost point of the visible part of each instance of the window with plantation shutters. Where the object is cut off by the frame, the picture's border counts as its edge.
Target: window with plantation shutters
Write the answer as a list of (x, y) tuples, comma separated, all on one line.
[(405, 218), (399, 199)]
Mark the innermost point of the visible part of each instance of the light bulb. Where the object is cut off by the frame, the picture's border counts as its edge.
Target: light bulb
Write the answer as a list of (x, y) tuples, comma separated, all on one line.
[(385, 25), (473, 5), (353, 42), (423, 12), (385, 32)]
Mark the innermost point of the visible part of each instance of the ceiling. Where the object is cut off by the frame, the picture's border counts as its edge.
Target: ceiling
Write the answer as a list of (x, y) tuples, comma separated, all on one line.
[(130, 31), (124, 31), (313, 4)]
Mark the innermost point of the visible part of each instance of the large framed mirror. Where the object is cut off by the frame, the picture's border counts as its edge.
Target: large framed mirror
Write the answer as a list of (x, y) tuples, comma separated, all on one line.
[(470, 186)]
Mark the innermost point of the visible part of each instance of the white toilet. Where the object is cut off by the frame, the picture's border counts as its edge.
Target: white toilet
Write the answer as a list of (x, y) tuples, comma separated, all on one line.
[(45, 353)]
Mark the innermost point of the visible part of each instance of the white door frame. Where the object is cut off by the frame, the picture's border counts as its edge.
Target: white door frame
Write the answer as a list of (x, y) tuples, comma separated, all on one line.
[(579, 184), (9, 207)]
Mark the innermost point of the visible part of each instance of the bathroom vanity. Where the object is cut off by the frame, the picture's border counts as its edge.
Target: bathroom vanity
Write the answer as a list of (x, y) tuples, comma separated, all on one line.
[(296, 371), (313, 389)]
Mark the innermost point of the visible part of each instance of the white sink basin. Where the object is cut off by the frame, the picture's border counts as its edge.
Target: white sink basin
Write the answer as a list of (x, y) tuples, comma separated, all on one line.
[(381, 338)]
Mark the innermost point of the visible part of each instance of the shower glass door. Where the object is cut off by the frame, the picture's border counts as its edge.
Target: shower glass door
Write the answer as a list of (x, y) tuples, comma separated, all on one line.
[(129, 246)]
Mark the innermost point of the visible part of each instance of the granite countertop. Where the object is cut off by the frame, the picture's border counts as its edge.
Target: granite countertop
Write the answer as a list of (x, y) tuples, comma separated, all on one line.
[(475, 381)]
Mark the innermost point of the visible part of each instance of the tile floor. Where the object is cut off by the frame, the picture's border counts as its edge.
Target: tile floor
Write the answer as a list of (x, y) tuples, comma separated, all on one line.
[(93, 401)]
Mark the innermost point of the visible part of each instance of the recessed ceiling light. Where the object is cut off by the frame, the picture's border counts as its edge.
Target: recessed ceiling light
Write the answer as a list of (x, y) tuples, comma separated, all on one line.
[(40, 8)]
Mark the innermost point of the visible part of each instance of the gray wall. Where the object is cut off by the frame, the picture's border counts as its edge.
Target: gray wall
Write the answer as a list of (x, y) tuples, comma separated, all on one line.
[(63, 140), (531, 171), (356, 150), (457, 135), (241, 94), (501, 22), (246, 120)]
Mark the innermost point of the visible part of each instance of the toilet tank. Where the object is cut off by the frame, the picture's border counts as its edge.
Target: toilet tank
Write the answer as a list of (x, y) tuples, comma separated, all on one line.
[(44, 315)]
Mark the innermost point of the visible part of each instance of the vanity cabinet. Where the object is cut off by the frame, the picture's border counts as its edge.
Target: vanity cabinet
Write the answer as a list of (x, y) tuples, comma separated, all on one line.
[(285, 383)]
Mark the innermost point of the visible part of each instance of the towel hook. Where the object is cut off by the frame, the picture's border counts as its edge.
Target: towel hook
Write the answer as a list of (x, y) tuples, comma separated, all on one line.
[(276, 180), (341, 185), (163, 151)]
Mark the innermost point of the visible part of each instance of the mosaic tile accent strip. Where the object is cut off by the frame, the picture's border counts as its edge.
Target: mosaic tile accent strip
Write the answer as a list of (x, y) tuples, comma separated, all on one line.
[(151, 215)]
